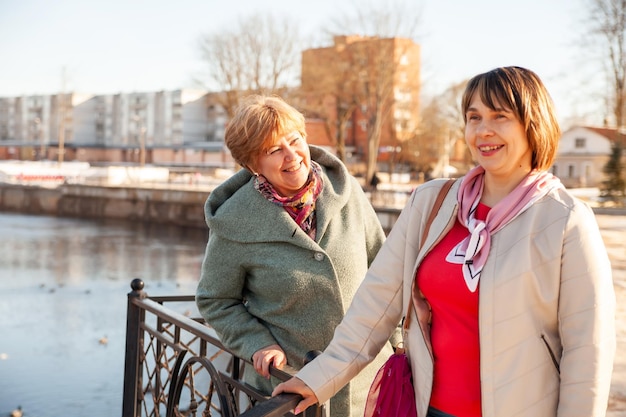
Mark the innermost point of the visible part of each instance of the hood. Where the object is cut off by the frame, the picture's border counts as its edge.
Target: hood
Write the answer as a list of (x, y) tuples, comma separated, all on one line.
[(236, 210)]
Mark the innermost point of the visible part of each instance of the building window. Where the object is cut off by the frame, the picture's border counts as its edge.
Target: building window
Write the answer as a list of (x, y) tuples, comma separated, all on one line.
[(570, 171), (580, 143)]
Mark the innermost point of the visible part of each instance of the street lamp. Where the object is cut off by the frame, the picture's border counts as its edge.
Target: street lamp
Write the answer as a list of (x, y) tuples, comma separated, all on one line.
[(62, 111), (39, 136), (142, 140), (142, 145)]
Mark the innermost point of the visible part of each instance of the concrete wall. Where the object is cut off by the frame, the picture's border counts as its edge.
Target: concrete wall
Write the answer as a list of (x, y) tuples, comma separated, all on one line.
[(178, 207), (183, 208), (163, 206)]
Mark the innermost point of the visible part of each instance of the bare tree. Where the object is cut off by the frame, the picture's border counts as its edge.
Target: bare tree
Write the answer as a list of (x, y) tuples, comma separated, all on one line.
[(261, 54), (384, 19), (327, 92), (608, 29), (364, 77), (378, 95), (440, 137)]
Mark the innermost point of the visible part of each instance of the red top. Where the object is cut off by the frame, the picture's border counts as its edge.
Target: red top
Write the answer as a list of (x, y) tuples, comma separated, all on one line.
[(454, 329)]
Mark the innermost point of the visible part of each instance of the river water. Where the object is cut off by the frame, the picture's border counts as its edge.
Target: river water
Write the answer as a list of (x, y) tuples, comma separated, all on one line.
[(63, 287)]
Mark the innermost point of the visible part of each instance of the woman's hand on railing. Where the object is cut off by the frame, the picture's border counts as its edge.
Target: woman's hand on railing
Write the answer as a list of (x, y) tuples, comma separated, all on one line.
[(270, 355), (297, 386)]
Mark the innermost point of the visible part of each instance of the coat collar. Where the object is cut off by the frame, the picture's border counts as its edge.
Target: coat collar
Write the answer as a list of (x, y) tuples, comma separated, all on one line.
[(237, 211)]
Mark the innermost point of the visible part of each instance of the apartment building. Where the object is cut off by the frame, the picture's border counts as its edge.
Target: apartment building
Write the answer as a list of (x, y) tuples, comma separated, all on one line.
[(163, 118), (362, 86), (29, 123), (166, 126)]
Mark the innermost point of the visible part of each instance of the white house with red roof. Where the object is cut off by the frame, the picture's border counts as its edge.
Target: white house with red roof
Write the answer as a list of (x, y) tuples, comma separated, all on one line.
[(583, 152)]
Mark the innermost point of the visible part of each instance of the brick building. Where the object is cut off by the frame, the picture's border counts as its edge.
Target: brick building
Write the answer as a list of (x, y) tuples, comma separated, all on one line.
[(362, 87)]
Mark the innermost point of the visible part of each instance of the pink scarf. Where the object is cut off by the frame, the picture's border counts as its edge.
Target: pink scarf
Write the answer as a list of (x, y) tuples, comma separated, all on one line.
[(472, 252)]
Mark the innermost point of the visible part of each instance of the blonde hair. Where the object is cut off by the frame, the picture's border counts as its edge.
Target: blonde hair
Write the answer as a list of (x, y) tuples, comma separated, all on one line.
[(258, 122), (521, 91)]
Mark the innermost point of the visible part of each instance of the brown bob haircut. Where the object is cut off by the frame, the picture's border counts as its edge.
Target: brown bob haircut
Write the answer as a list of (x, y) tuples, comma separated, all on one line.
[(522, 92), (258, 123)]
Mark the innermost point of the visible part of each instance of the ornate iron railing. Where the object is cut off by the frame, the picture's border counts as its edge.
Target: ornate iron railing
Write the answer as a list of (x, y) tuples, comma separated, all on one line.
[(176, 366)]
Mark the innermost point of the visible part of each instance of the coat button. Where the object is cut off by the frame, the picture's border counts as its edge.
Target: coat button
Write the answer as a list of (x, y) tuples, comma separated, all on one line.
[(319, 256)]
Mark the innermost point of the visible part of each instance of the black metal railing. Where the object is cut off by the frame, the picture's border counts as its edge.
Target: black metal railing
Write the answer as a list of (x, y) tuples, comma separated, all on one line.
[(176, 366)]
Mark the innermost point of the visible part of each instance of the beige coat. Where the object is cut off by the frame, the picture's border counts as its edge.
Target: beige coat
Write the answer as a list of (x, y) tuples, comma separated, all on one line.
[(546, 311)]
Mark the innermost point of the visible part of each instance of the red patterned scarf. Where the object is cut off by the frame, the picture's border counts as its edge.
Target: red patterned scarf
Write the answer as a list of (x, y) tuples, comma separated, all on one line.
[(301, 207)]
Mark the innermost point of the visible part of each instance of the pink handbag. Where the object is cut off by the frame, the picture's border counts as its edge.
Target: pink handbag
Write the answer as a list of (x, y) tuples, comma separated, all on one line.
[(391, 393)]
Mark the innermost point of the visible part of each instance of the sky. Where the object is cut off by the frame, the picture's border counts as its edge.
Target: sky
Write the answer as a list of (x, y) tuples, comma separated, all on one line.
[(113, 46)]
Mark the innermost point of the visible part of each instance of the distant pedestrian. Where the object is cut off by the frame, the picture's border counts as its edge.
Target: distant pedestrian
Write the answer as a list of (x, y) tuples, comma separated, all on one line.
[(374, 182)]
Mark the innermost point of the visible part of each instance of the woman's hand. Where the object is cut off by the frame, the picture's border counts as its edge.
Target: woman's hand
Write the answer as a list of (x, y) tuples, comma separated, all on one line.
[(270, 355), (297, 386)]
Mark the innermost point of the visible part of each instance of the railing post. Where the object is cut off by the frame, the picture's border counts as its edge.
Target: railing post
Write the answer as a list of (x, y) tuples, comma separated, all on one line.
[(131, 406), (320, 410)]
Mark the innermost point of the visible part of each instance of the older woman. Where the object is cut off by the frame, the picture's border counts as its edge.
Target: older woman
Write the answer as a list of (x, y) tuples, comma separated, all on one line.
[(291, 237)]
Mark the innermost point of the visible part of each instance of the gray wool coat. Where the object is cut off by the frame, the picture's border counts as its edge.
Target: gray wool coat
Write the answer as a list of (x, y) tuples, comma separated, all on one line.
[(265, 282)]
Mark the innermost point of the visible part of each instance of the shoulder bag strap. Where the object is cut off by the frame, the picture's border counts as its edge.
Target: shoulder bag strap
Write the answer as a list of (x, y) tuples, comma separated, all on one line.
[(433, 212)]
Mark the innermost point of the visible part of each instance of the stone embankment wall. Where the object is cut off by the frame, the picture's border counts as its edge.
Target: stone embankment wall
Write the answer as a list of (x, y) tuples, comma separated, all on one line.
[(154, 205), (167, 206)]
